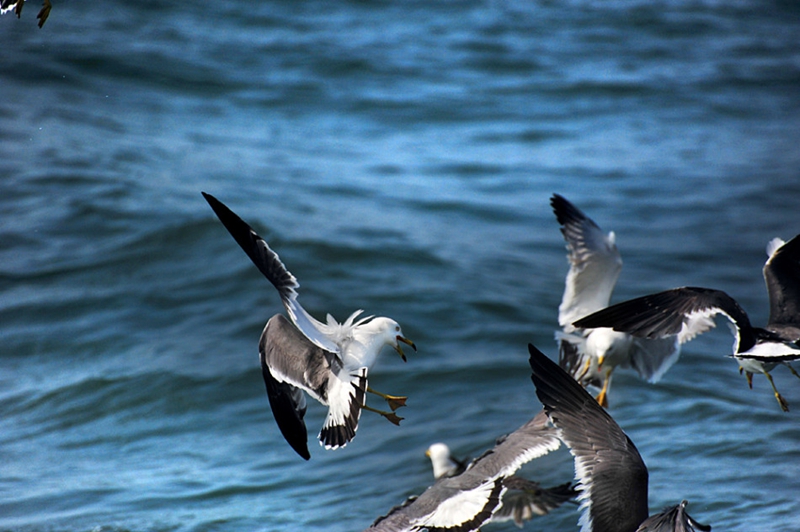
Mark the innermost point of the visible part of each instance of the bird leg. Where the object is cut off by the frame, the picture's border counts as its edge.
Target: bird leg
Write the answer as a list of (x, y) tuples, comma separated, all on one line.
[(749, 377), (585, 370), (391, 416), (394, 401), (779, 397), (602, 400), (792, 370)]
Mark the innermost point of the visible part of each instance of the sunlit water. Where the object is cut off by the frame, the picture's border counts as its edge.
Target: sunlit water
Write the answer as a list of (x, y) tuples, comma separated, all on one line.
[(400, 158)]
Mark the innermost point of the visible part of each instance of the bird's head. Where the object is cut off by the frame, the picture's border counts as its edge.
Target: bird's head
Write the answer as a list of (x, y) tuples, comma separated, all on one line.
[(389, 331), (439, 453)]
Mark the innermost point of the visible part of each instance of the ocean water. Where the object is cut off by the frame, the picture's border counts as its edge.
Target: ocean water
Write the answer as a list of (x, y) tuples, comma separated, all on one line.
[(400, 157)]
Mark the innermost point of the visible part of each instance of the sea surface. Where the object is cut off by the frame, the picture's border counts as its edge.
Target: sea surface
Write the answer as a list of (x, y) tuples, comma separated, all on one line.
[(400, 157)]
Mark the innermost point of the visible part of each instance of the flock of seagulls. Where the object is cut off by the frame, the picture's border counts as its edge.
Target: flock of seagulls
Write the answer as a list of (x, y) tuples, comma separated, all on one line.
[(330, 361)]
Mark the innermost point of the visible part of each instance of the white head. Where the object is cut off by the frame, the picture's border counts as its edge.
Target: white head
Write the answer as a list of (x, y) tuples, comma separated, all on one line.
[(609, 346), (439, 453), (384, 331)]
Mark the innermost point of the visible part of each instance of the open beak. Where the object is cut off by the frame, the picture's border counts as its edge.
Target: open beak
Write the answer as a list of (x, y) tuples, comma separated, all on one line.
[(405, 341)]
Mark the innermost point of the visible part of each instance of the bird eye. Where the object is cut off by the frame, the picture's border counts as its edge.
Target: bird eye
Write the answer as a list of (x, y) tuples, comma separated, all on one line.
[(397, 328)]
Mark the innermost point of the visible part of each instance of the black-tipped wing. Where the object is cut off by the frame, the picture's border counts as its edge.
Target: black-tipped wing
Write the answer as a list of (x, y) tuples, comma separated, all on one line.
[(782, 275), (613, 477), (594, 260), (290, 363), (526, 499), (288, 407), (464, 502), (266, 260), (269, 264), (683, 312), (673, 519)]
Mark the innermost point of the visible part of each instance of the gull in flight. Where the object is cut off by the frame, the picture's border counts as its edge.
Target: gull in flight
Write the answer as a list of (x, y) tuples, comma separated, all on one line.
[(466, 501), (329, 361), (590, 355), (523, 499), (683, 313)]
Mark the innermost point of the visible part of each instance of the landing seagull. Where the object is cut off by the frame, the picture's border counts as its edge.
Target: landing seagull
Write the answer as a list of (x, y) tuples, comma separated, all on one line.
[(685, 312), (464, 502), (612, 477), (524, 498), (327, 360), (595, 263)]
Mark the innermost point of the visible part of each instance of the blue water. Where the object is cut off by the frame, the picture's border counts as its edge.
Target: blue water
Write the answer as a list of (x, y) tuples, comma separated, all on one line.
[(400, 158)]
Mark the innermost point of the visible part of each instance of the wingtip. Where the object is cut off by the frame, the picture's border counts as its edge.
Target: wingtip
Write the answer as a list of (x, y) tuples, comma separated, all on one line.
[(301, 449)]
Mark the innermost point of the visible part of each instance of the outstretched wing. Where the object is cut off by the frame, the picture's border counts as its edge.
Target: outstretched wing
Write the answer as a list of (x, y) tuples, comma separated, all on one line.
[(612, 475), (464, 502), (269, 264), (782, 275), (683, 312), (594, 260)]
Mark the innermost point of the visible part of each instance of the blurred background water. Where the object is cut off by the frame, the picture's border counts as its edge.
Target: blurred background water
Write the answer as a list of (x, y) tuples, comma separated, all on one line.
[(400, 158)]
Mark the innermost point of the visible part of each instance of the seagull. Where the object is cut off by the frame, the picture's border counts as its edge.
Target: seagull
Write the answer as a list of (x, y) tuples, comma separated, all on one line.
[(16, 5), (328, 360), (443, 463), (595, 263), (523, 499), (465, 502), (683, 313), (612, 477)]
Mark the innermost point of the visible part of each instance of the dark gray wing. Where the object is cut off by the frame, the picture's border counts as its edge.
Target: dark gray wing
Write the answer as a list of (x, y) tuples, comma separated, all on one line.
[(463, 503), (684, 312), (290, 363), (526, 499), (782, 275), (612, 475), (289, 408), (594, 260), (269, 264), (673, 519)]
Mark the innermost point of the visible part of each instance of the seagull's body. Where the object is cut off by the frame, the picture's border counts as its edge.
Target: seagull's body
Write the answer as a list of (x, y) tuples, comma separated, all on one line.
[(683, 313), (466, 501), (523, 499), (612, 477), (328, 360), (590, 355)]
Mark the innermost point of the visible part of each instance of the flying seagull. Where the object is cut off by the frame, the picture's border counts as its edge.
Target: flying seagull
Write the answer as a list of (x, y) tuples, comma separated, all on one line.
[(612, 477), (16, 5), (464, 502), (590, 355), (327, 360), (683, 313), (523, 499)]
